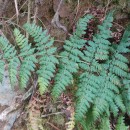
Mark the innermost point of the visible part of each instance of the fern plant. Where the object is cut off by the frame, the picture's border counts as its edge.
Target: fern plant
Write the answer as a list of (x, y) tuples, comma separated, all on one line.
[(103, 85), (70, 57), (46, 51), (9, 55), (116, 69), (27, 57), (89, 82), (120, 124)]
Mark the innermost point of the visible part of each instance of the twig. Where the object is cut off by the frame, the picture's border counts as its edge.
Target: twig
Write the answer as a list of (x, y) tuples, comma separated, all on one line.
[(55, 20), (29, 15), (16, 8), (42, 22), (52, 125), (35, 13), (119, 25), (59, 41), (27, 94), (9, 19), (13, 23), (29, 11), (77, 10), (57, 113), (108, 3), (35, 83)]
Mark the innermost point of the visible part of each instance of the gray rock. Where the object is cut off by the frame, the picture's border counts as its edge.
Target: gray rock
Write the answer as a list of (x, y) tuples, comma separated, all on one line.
[(7, 94)]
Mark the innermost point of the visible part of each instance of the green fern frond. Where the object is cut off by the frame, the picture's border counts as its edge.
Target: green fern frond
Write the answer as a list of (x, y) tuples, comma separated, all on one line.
[(119, 102), (46, 51), (2, 63), (105, 123), (86, 93), (126, 93), (10, 55), (118, 62), (89, 83), (70, 57), (125, 41), (120, 124), (12, 67), (100, 107), (28, 58), (100, 39), (115, 68)]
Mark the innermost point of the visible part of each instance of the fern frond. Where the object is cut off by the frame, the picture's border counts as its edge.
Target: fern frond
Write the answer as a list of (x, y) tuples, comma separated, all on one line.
[(13, 65), (115, 68), (86, 93), (46, 51), (118, 62), (119, 102), (2, 63), (120, 124), (70, 57), (105, 123), (28, 58), (10, 55), (100, 107), (89, 83), (126, 93), (125, 41)]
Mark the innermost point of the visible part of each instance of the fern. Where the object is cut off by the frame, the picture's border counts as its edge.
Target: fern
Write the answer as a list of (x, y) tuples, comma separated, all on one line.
[(116, 69), (126, 93), (45, 51), (120, 124), (10, 56), (89, 83), (70, 58), (28, 58), (105, 123), (103, 85)]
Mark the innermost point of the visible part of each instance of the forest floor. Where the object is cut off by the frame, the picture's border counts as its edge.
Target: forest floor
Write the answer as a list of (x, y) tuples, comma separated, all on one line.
[(60, 20)]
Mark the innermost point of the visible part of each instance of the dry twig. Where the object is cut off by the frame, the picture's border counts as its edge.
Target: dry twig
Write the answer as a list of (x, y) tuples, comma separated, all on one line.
[(53, 126), (16, 8), (51, 114)]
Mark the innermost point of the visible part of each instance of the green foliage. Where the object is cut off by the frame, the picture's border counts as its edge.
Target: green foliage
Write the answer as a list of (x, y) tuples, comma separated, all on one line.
[(90, 80), (42, 54), (120, 124), (70, 57), (45, 51), (103, 85), (9, 55), (28, 58), (105, 123)]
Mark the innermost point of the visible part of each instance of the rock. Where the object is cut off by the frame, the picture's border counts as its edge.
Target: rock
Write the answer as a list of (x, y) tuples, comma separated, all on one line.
[(7, 94)]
